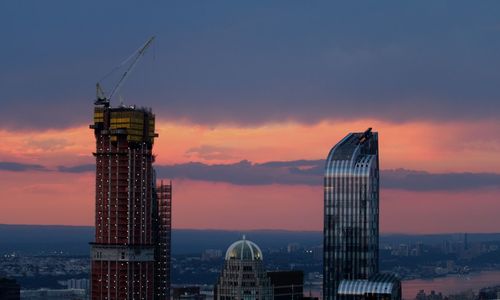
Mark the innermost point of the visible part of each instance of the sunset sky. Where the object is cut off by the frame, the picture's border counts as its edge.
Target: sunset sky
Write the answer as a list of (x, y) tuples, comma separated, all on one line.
[(249, 98)]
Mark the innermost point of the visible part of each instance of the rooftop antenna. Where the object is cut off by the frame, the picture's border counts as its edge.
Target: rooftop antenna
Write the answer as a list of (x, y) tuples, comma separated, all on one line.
[(366, 135), (101, 95)]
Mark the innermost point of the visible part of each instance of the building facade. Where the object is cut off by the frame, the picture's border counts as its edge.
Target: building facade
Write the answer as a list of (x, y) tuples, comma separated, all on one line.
[(9, 289), (243, 276), (351, 211), (162, 228), (131, 252), (287, 285)]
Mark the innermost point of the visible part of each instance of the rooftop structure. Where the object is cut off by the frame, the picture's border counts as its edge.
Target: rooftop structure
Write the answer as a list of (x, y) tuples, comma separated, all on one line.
[(379, 286), (244, 250), (243, 275)]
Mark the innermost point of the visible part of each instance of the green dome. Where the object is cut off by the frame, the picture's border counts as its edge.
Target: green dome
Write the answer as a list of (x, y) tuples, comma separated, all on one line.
[(244, 250)]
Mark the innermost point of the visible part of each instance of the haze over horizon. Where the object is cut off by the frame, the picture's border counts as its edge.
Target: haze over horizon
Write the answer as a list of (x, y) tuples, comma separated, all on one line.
[(249, 99)]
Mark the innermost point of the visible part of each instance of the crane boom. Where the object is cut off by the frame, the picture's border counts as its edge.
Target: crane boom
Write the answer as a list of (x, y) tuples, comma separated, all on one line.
[(101, 97)]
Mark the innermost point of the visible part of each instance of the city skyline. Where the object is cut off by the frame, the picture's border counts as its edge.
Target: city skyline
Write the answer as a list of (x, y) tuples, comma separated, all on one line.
[(246, 109)]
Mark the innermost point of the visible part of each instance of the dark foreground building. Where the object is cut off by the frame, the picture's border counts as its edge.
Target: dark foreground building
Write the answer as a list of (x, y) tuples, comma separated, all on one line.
[(9, 289), (287, 285), (351, 216), (131, 251)]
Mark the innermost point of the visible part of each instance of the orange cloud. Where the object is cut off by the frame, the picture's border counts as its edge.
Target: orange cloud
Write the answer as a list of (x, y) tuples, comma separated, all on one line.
[(47, 147), (434, 147), (54, 198)]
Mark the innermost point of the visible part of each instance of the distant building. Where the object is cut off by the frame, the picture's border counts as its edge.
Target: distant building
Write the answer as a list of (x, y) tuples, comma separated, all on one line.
[(293, 247), (351, 220), (131, 251), (9, 289), (419, 249), (79, 284), (404, 250), (318, 253), (421, 295), (243, 275), (466, 241), (210, 254), (187, 293), (489, 293), (54, 294), (287, 285)]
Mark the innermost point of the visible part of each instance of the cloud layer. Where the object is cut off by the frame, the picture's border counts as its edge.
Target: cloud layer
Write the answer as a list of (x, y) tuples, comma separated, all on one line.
[(254, 62), (299, 172), (310, 172), (20, 167)]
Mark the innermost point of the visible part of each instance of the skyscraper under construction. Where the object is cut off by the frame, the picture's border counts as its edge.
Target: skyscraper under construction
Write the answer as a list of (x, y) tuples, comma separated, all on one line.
[(131, 251)]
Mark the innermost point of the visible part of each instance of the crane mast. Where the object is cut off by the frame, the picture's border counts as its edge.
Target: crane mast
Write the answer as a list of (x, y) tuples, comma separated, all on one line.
[(101, 95)]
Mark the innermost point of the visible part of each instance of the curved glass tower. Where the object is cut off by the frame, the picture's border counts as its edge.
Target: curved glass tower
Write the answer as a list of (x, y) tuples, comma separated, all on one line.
[(351, 211)]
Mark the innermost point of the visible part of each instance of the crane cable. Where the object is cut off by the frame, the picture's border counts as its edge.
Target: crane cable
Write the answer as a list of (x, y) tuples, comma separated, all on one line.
[(135, 57)]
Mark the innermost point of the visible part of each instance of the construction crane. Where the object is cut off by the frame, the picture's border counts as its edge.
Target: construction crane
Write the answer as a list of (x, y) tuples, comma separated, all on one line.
[(101, 95)]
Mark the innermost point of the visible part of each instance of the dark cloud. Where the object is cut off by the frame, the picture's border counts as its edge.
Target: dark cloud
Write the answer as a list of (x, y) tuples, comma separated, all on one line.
[(310, 172), (242, 173), (20, 167), (298, 172), (424, 181), (253, 62), (77, 169)]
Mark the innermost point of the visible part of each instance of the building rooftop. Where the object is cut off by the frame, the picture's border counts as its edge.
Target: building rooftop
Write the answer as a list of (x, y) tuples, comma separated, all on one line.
[(244, 250), (377, 284), (345, 149), (353, 143)]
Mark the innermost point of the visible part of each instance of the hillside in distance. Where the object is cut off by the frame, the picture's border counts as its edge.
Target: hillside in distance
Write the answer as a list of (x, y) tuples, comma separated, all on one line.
[(74, 240)]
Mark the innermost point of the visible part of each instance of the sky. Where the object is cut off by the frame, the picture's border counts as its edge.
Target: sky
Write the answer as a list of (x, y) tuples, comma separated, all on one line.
[(249, 99)]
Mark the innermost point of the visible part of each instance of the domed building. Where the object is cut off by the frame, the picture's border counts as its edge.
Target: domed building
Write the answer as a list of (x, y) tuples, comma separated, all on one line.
[(243, 276)]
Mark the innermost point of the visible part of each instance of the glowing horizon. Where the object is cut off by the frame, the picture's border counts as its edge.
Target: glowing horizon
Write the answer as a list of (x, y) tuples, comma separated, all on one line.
[(298, 206)]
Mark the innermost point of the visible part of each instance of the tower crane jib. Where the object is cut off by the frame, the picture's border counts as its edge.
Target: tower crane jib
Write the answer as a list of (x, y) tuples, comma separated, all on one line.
[(101, 96)]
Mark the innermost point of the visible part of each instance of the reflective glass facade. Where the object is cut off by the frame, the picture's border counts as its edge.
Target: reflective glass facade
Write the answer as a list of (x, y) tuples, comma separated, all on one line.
[(378, 287), (351, 211)]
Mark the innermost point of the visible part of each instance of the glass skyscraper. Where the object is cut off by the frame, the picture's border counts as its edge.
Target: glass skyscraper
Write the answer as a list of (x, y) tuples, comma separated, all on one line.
[(351, 211)]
